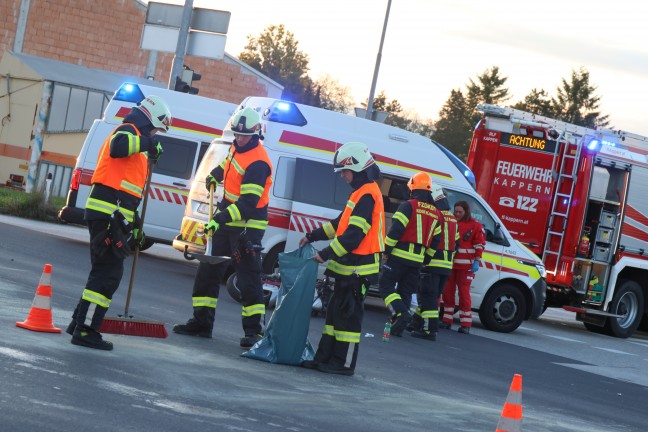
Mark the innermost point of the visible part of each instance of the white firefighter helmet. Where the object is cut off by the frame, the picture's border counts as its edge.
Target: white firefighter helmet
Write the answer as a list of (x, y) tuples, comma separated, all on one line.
[(157, 111), (353, 156), (246, 122), (437, 192)]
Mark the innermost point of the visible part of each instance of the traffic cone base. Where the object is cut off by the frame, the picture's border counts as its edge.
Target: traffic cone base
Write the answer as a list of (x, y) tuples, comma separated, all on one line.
[(40, 315), (511, 418)]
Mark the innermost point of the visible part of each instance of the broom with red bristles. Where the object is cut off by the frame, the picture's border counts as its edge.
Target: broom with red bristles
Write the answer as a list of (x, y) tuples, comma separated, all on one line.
[(125, 324)]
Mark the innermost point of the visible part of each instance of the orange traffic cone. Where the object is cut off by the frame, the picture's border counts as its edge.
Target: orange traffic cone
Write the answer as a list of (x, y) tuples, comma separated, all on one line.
[(511, 418), (40, 314)]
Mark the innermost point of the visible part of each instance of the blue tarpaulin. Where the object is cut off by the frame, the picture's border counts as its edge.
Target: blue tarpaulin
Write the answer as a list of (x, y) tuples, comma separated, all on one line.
[(286, 336)]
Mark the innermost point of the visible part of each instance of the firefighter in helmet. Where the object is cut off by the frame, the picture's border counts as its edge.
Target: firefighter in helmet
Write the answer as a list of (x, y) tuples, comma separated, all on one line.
[(415, 228), (238, 226), (353, 259), (435, 273), (111, 212)]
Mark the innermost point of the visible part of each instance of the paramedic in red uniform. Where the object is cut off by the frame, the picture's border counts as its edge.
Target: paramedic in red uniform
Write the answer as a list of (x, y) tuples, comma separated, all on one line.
[(472, 241), (117, 186), (415, 227), (353, 259), (238, 227)]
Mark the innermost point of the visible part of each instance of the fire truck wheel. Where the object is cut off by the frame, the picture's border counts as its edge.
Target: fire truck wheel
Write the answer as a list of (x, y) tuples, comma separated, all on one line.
[(503, 308), (629, 302)]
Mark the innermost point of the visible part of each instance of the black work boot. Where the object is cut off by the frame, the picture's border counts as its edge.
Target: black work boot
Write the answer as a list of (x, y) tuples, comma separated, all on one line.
[(333, 369), (193, 328), (399, 322), (310, 364), (88, 337), (422, 334), (464, 330), (248, 341), (415, 324)]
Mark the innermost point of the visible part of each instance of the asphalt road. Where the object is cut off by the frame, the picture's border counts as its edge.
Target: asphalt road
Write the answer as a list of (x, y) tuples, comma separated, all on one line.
[(572, 380)]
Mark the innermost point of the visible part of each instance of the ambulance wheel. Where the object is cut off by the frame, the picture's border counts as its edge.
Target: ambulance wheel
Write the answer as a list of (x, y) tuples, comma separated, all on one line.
[(629, 302), (503, 308), (271, 259)]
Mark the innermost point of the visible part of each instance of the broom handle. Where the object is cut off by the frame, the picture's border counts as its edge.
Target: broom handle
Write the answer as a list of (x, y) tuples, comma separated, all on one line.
[(147, 187), (208, 248)]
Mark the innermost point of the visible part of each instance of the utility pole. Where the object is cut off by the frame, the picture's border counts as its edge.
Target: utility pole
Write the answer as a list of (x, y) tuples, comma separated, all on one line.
[(369, 114), (178, 59)]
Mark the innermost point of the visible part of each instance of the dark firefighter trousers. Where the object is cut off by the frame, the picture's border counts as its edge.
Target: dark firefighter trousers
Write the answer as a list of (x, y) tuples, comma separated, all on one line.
[(105, 275), (433, 281), (244, 246), (340, 340), (406, 276)]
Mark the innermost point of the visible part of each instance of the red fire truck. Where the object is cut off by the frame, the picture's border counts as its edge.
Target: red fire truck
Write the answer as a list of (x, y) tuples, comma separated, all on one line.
[(578, 198)]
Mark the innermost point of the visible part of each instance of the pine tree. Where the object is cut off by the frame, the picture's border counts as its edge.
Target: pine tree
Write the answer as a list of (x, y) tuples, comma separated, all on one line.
[(454, 128)]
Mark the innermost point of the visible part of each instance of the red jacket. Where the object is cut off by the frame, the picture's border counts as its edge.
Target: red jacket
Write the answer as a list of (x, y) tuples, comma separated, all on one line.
[(471, 244)]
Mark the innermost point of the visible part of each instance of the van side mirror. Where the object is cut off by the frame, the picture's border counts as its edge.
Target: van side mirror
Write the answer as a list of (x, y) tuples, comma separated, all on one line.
[(497, 237)]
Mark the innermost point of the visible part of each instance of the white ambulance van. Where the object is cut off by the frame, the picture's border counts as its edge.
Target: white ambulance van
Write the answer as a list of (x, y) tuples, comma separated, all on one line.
[(195, 125), (301, 141)]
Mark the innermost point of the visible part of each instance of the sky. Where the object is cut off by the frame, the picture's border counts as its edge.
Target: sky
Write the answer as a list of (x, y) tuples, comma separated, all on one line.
[(434, 46)]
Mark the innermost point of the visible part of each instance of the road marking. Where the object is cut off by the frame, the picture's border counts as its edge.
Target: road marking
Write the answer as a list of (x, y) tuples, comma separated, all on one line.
[(642, 344), (614, 351), (565, 338), (12, 268)]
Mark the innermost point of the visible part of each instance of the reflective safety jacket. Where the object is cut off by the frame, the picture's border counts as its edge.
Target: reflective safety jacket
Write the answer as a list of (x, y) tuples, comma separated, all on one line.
[(358, 234), (118, 180), (472, 241), (415, 228), (246, 174), (442, 257)]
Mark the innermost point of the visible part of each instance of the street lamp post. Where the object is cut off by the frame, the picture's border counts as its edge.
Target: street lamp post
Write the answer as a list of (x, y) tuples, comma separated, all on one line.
[(178, 60), (369, 114)]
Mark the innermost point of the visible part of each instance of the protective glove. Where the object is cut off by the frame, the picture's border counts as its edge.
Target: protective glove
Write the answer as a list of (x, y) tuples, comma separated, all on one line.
[(211, 227), (137, 238), (210, 180), (475, 266), (155, 151)]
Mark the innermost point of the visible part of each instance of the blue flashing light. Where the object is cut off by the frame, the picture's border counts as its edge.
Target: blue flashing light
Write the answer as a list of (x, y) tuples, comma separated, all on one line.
[(285, 112), (283, 106), (593, 145), (129, 92)]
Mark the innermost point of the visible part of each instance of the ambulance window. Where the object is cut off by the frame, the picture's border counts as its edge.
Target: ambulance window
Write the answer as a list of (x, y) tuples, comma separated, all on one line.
[(284, 175), (315, 183), (478, 211), (394, 191), (178, 158)]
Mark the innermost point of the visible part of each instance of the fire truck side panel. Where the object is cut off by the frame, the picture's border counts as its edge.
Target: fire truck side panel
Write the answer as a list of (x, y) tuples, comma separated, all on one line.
[(596, 244)]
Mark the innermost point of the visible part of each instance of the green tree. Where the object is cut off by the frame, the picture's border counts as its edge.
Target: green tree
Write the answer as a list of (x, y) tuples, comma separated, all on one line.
[(489, 88), (275, 53), (577, 103), (333, 95), (537, 102), (454, 128)]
